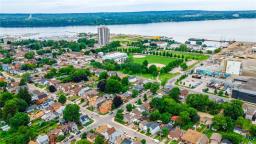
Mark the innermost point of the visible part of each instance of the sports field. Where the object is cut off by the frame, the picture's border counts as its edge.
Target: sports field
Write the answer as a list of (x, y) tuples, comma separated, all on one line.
[(152, 59)]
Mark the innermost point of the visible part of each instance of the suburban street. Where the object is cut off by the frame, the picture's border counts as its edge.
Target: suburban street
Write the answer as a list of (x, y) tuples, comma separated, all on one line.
[(109, 119)]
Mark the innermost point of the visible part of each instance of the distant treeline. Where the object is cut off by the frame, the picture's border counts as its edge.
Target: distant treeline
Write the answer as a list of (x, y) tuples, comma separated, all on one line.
[(111, 18)]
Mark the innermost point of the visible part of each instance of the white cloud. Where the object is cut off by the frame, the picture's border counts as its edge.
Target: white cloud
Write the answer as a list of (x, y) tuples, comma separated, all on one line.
[(69, 6)]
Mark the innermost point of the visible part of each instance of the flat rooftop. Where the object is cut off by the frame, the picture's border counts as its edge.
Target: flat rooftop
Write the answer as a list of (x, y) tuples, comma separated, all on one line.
[(249, 86)]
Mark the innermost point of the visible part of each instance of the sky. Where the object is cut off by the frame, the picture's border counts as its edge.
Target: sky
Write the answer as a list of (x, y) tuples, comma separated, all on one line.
[(85, 6)]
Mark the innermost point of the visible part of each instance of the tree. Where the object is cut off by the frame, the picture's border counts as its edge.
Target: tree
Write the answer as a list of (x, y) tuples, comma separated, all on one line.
[(9, 109), (117, 101), (165, 131), (80, 75), (3, 84), (119, 117), (135, 93), (154, 87), (22, 136), (5, 96), (60, 138), (145, 98), (143, 141), (113, 86), (155, 115), (198, 101), (19, 119), (99, 140), (222, 123), (21, 104), (103, 75), (84, 135), (102, 85), (183, 66), (139, 102), (125, 81), (175, 93), (153, 70), (184, 118), (83, 141), (25, 95), (234, 109), (129, 107), (165, 118), (62, 99), (145, 63), (71, 113), (30, 55), (52, 88), (233, 137)]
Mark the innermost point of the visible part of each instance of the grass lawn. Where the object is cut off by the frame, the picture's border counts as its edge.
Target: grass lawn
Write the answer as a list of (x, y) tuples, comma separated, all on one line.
[(40, 126), (125, 38), (190, 55), (73, 98), (165, 77), (173, 142), (37, 127), (154, 59)]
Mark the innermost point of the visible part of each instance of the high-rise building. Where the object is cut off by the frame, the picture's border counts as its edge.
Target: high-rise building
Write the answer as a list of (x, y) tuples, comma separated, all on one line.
[(103, 35)]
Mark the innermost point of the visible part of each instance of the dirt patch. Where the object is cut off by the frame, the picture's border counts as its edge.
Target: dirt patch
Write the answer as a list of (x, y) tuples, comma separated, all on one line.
[(138, 56), (189, 63)]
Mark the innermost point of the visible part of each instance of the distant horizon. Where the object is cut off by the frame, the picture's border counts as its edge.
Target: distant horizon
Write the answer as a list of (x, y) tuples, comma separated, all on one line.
[(97, 6), (136, 11)]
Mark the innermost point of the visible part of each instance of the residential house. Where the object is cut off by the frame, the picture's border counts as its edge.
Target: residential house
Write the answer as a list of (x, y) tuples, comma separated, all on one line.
[(132, 79), (39, 97), (32, 142), (138, 88), (127, 141), (42, 139), (57, 107), (83, 91), (226, 141), (49, 116), (205, 119), (116, 137), (69, 127), (151, 127), (183, 94), (215, 138), (84, 119), (175, 134), (194, 137), (112, 73), (105, 106), (241, 131), (36, 115), (31, 108), (5, 128), (53, 134), (91, 137), (102, 129), (250, 113)]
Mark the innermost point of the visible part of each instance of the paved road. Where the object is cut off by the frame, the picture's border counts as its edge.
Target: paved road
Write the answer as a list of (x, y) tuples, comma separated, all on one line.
[(109, 119)]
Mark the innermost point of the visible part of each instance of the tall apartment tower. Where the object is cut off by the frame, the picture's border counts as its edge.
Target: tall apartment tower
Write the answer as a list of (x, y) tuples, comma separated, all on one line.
[(103, 35)]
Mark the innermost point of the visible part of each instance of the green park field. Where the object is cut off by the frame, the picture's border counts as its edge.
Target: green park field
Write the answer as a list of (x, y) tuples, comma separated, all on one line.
[(153, 59)]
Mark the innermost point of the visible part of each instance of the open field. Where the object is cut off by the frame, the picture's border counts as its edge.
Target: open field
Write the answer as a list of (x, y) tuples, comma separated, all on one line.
[(153, 59), (189, 55), (127, 38)]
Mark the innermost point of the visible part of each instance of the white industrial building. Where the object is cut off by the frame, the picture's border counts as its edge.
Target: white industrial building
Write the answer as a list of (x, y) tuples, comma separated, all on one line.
[(233, 67), (117, 57), (103, 35)]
